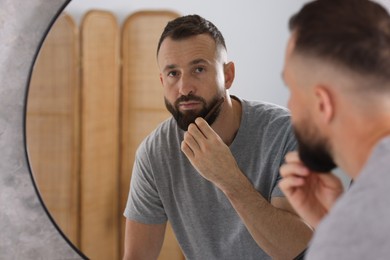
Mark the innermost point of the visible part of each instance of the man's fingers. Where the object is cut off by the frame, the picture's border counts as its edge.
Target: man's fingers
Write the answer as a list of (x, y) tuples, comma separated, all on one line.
[(204, 127), (187, 150), (292, 182), (191, 141), (289, 169), (292, 157), (195, 131)]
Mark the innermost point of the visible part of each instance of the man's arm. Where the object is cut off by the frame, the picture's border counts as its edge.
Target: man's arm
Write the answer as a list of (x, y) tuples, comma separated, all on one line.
[(143, 241), (274, 226)]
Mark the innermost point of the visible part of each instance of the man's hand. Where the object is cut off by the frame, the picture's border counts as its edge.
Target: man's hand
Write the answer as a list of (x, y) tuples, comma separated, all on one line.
[(277, 230), (311, 194), (206, 151)]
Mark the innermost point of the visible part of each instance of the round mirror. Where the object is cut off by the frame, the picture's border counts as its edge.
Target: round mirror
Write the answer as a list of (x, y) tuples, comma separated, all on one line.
[(90, 103), (26, 230), (255, 32)]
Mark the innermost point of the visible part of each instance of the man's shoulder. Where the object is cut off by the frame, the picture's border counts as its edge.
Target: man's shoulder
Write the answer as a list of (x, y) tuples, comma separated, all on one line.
[(165, 133), (265, 113), (263, 107)]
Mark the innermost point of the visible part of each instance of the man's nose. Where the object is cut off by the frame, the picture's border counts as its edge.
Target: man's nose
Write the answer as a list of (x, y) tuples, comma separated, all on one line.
[(186, 86)]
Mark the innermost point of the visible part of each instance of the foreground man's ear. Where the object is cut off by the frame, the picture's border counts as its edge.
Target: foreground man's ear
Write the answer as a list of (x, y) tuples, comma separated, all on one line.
[(324, 103)]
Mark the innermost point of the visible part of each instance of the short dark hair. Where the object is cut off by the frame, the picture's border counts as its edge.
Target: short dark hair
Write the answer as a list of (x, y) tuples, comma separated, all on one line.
[(352, 33), (190, 25)]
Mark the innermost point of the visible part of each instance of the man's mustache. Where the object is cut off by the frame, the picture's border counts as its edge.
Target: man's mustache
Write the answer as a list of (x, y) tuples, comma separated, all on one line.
[(189, 97)]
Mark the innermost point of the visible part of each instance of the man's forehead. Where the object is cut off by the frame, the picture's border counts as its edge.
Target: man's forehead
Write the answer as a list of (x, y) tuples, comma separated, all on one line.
[(203, 40), (188, 51)]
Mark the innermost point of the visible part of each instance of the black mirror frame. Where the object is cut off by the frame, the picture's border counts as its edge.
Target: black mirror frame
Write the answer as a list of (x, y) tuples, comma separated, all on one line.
[(27, 228)]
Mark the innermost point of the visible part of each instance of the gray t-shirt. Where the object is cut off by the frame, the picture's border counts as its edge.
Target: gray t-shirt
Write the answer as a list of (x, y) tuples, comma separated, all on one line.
[(358, 226), (165, 186)]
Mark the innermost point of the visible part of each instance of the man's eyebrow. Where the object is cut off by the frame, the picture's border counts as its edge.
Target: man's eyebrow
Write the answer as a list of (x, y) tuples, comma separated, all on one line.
[(197, 61), (170, 67), (193, 62)]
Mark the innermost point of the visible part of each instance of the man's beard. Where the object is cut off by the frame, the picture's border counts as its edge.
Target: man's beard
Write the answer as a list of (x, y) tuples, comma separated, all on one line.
[(185, 119), (314, 150)]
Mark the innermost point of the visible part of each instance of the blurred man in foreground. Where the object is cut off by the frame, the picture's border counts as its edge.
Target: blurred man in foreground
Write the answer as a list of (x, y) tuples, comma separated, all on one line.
[(337, 69)]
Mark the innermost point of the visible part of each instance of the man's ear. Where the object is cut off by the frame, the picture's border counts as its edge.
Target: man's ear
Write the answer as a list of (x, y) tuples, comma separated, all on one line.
[(161, 80), (324, 103), (229, 71)]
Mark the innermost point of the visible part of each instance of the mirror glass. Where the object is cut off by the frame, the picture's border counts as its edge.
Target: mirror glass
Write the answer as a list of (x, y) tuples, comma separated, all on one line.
[(90, 102)]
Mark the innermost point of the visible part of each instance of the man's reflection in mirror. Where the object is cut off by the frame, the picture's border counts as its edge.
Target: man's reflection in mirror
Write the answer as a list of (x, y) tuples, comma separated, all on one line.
[(214, 180)]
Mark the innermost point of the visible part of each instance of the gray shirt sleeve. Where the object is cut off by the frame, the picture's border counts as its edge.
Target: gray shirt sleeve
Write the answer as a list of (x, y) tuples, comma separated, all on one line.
[(290, 145), (145, 205)]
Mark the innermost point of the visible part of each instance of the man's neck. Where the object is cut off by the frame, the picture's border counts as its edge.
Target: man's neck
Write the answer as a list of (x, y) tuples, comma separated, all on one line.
[(229, 120), (358, 144)]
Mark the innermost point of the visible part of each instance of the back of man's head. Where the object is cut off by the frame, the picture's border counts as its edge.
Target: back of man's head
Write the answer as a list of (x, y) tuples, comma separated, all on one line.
[(353, 34)]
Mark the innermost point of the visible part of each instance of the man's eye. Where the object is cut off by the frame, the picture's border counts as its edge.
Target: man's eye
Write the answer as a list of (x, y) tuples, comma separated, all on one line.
[(199, 69), (172, 74)]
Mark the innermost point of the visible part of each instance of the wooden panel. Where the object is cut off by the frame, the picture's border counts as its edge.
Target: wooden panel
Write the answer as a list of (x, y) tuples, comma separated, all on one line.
[(52, 125), (142, 100), (100, 143)]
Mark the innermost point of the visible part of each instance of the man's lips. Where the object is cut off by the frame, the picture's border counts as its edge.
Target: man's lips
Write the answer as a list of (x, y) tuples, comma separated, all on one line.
[(189, 105)]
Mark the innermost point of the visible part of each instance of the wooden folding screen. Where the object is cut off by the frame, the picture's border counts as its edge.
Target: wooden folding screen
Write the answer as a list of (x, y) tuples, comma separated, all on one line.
[(142, 98), (84, 123), (100, 135), (52, 125)]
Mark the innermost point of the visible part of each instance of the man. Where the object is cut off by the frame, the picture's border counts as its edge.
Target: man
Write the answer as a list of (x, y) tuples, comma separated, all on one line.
[(337, 69), (216, 185)]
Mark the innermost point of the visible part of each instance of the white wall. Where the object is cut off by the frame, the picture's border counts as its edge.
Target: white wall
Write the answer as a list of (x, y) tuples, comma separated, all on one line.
[(255, 33)]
